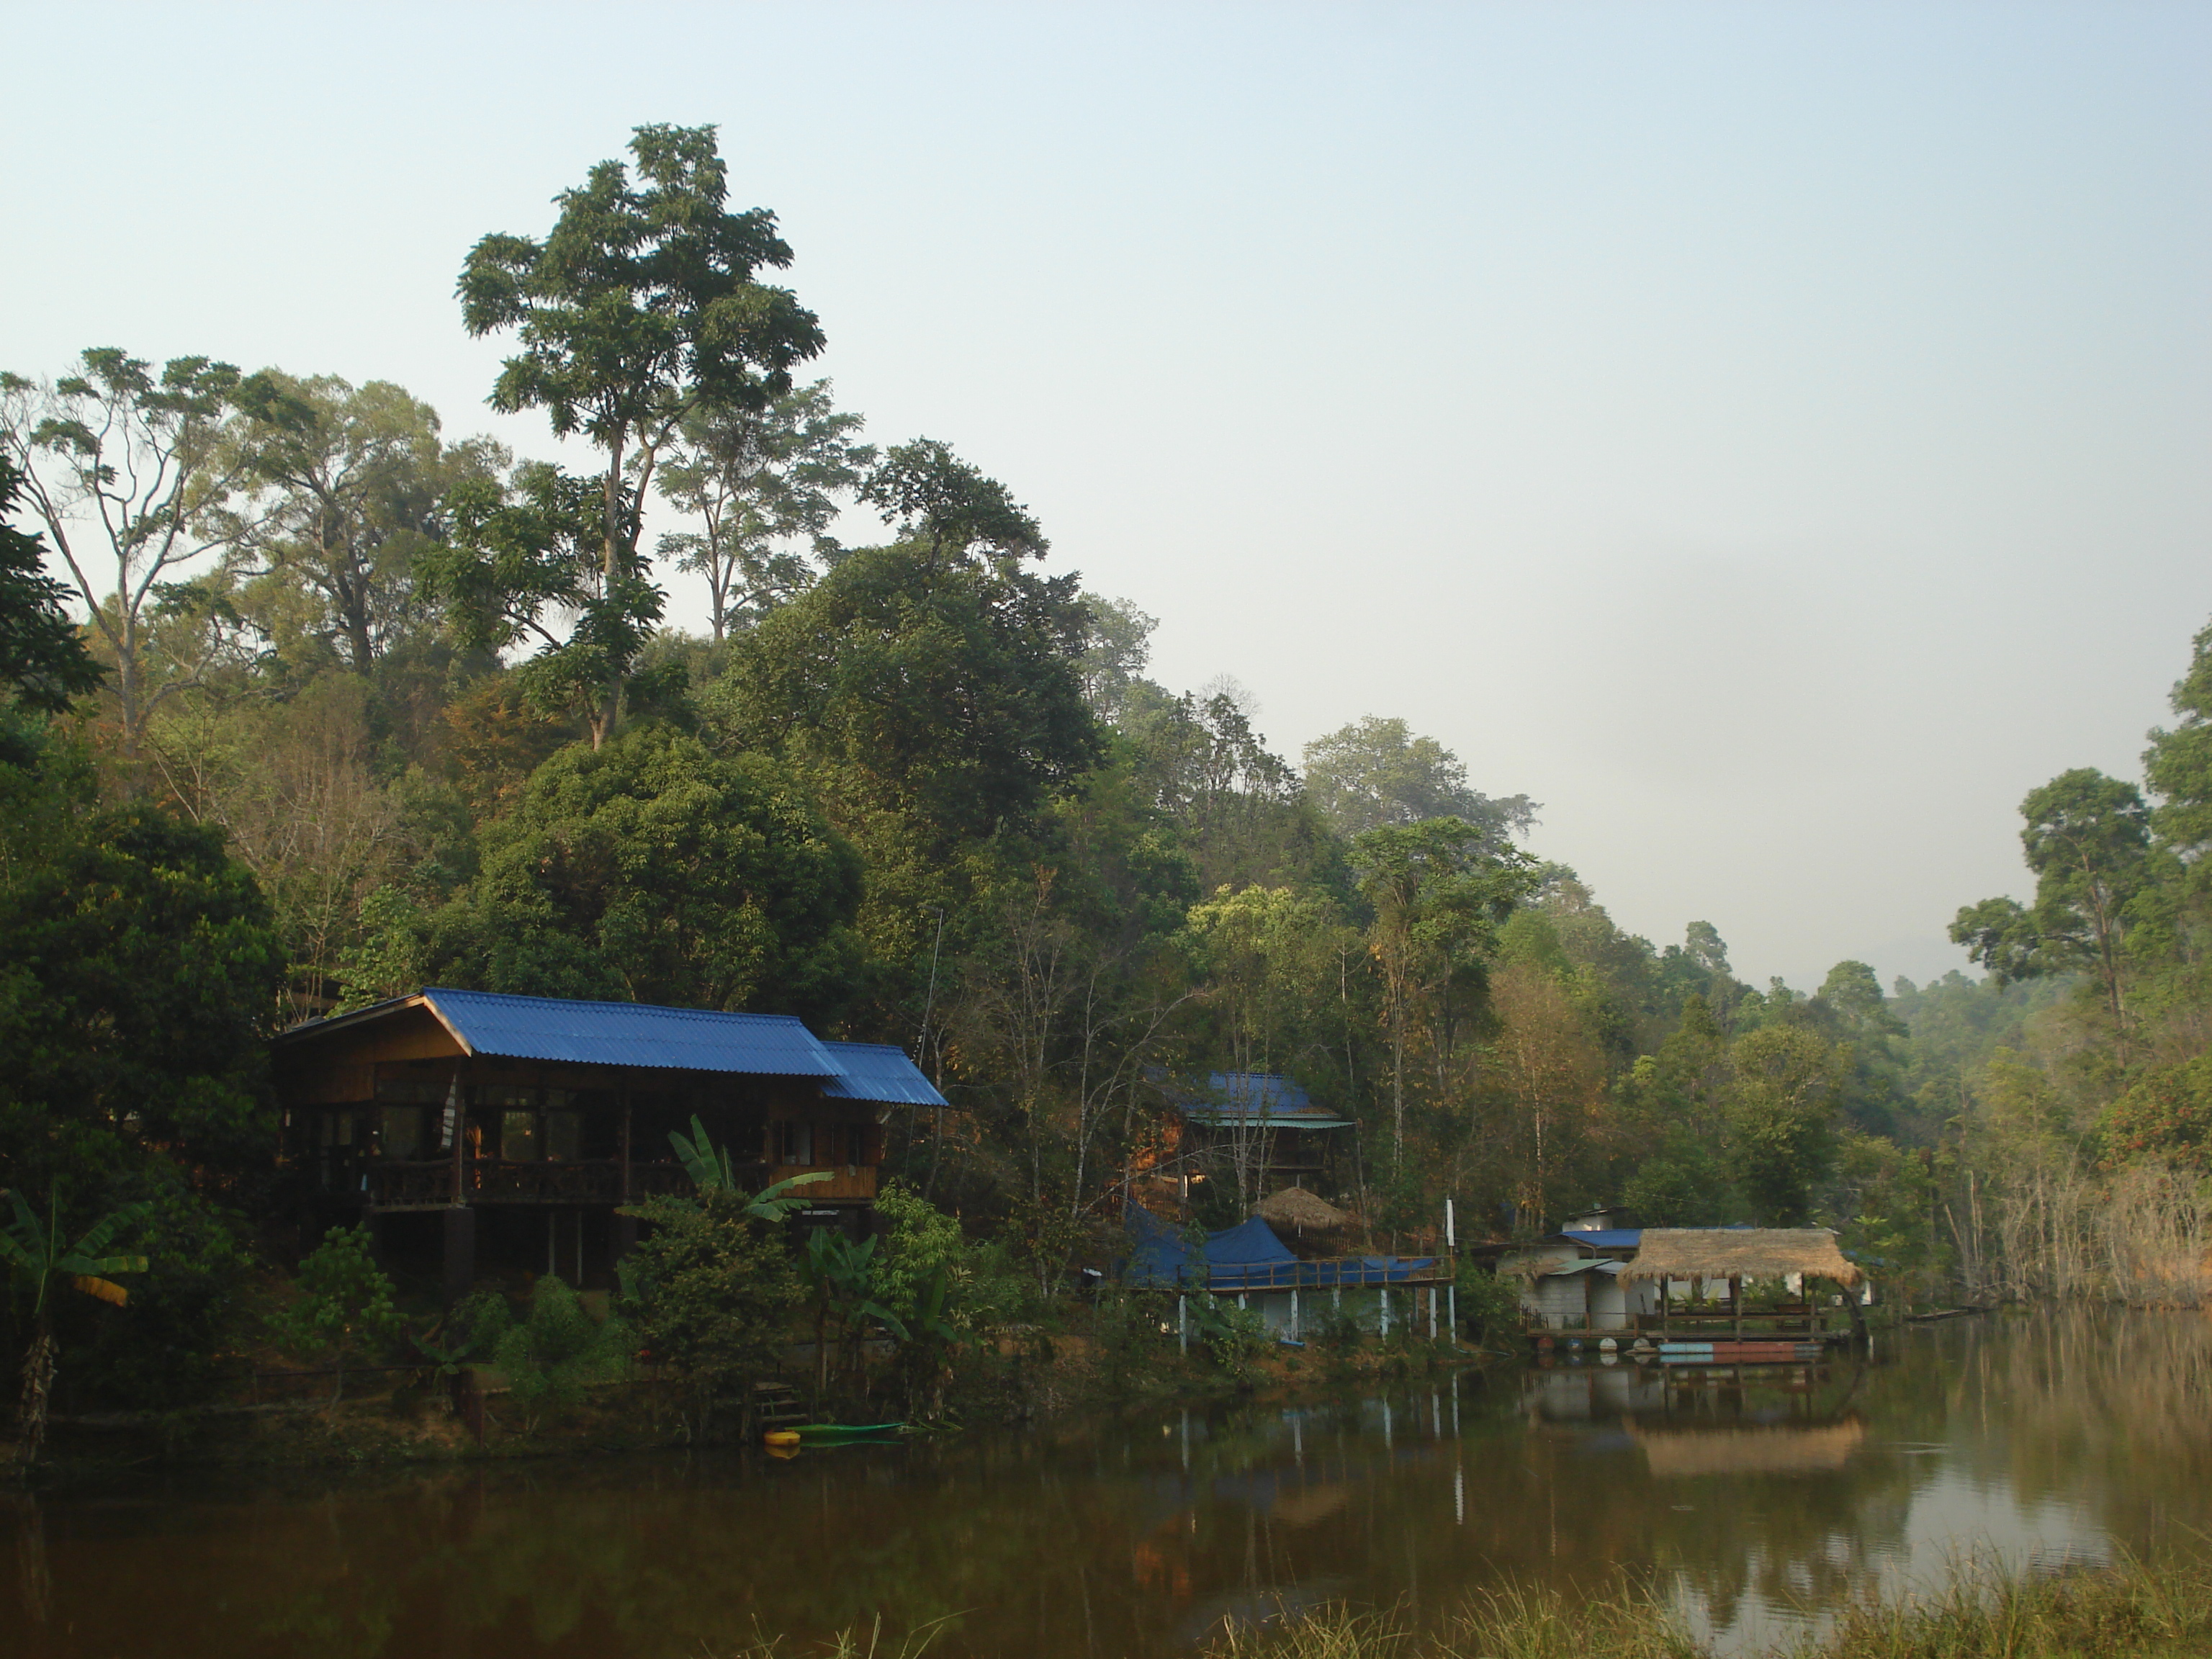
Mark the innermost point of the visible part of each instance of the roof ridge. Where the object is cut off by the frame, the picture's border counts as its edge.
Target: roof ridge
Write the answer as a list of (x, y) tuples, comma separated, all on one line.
[(633, 1007)]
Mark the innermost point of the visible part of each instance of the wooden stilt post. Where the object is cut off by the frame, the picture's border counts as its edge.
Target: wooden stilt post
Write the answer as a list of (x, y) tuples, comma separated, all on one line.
[(625, 1226), (460, 1236)]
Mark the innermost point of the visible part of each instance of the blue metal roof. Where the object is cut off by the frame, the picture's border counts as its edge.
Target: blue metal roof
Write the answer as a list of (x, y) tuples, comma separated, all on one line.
[(1253, 1100), (878, 1071), (630, 1034), (1611, 1238)]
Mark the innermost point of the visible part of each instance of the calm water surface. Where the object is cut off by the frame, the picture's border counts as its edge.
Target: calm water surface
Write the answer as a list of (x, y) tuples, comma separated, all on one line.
[(2037, 1440)]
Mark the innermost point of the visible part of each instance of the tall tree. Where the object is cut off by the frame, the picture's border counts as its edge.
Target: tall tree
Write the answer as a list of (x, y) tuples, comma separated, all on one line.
[(138, 970), (1268, 958), (759, 481), (938, 668), (1117, 646), (344, 487), (948, 508), (122, 467), (651, 871), (2177, 765), (1550, 1070), (2087, 842), (1236, 801), (1437, 892), (522, 563), (1781, 1108), (642, 307), (1376, 772)]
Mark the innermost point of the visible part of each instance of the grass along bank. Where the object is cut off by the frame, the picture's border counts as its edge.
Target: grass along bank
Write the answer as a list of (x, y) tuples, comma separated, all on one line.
[(2159, 1609)]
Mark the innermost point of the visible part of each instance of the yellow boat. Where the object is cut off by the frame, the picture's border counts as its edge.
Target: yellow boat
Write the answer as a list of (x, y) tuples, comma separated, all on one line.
[(780, 1437)]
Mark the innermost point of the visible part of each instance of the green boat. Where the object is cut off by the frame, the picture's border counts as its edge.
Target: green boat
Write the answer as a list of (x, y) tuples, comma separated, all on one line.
[(845, 1430)]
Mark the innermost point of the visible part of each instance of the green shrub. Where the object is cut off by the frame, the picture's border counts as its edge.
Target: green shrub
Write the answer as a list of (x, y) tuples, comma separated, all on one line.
[(549, 1357), (709, 1292), (343, 1312), (1489, 1302), (1233, 1336)]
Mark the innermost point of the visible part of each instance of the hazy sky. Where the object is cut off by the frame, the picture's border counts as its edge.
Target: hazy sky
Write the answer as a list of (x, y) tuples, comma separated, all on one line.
[(1772, 436)]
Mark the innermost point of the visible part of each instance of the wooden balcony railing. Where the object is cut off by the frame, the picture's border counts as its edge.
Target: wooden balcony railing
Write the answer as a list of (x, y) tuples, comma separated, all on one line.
[(428, 1185)]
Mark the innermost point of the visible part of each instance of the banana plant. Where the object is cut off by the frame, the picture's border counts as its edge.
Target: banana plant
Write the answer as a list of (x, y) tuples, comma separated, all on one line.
[(931, 1336), (713, 1170), (41, 1263), (842, 1276)]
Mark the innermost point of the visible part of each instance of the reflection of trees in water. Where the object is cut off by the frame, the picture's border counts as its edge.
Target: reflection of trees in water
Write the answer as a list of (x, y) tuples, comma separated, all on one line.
[(1132, 1538), (2104, 1408)]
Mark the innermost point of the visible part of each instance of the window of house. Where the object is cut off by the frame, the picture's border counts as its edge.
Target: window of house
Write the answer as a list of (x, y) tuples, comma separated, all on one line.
[(518, 1136), (410, 1087), (401, 1128), (564, 1135), (795, 1142)]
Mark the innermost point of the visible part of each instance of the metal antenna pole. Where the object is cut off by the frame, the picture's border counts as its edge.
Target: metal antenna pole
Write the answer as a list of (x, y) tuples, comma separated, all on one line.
[(929, 1002)]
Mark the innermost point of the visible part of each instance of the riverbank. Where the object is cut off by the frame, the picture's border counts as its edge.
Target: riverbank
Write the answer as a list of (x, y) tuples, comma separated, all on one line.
[(1029, 1379), (2133, 1609)]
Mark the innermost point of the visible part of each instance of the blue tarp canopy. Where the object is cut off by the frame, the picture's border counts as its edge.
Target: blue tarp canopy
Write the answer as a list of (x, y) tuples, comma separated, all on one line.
[(1159, 1256), (1247, 1257)]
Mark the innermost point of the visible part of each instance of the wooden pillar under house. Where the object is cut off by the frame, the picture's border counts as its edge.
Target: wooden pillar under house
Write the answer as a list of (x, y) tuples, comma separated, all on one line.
[(625, 1227), (460, 1247), (460, 1239)]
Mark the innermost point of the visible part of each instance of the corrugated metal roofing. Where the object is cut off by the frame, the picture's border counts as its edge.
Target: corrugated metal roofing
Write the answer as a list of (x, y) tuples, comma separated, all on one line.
[(1612, 1238), (878, 1071), (631, 1033), (1253, 1100)]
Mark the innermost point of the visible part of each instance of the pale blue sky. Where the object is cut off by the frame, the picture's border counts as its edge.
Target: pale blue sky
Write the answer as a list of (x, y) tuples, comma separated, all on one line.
[(1774, 436)]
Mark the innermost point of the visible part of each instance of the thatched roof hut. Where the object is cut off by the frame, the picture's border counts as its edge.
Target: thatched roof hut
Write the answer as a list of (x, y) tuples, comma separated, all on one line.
[(1739, 1253), (1302, 1211)]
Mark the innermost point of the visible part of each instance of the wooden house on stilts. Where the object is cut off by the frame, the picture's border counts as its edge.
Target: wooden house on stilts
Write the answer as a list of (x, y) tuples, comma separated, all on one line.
[(473, 1129)]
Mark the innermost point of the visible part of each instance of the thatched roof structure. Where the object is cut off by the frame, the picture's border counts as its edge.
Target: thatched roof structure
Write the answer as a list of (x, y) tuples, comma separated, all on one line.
[(1302, 1211), (1739, 1253)]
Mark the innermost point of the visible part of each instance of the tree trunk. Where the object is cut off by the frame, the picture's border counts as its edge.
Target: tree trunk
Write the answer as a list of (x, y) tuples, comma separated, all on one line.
[(38, 1383)]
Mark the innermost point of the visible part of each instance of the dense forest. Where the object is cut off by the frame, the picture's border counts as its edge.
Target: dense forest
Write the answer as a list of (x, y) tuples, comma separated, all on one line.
[(311, 702)]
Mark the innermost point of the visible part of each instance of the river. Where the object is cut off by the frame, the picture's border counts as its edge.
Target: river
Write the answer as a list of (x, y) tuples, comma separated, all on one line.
[(2036, 1441)]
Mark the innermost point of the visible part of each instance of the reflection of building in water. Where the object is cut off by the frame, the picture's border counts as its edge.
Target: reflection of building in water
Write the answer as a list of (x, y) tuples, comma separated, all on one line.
[(1763, 1399), (1581, 1395)]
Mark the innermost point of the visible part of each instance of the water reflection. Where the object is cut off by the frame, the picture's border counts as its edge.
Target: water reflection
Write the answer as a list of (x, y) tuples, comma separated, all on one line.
[(1750, 1500)]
